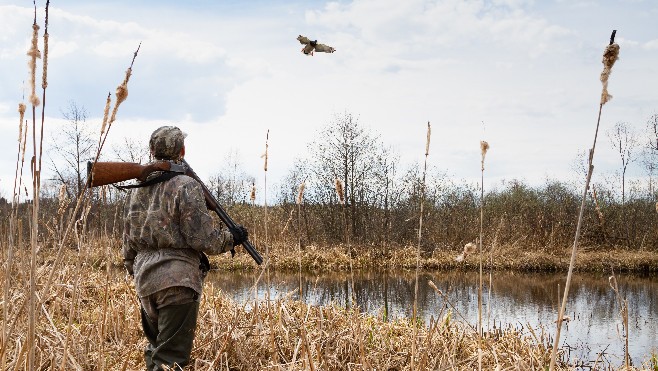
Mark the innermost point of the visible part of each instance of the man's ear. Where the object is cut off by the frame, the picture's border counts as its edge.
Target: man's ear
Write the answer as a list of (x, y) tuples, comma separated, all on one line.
[(182, 152)]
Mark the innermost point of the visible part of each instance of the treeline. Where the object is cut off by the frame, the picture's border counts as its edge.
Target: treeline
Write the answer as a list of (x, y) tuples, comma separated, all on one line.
[(379, 205), (516, 214)]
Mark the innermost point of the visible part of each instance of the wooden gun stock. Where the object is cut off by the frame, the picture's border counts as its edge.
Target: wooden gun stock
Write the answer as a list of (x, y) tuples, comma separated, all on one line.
[(103, 173)]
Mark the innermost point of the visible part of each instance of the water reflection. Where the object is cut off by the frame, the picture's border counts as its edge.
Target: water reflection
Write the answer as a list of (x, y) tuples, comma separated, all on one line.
[(517, 299)]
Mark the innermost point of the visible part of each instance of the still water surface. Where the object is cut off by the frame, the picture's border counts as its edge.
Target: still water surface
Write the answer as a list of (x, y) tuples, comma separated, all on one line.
[(517, 300)]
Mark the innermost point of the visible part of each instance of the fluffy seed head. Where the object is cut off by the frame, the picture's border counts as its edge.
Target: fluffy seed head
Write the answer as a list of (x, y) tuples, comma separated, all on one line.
[(34, 53), (62, 193), (469, 248), (21, 111), (339, 190), (44, 76), (427, 143), (610, 56), (484, 147), (300, 193)]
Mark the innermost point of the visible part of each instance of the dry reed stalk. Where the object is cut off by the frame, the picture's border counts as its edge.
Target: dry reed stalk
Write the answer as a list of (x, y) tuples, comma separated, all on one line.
[(610, 55), (12, 224), (484, 147), (493, 246), (31, 301), (623, 309), (33, 53), (299, 200), (420, 234), (265, 156)]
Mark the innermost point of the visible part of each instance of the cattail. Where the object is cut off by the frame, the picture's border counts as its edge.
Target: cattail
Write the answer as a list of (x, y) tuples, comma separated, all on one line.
[(44, 76), (339, 190), (427, 143), (300, 193), (21, 111), (484, 147), (34, 53), (252, 196), (469, 249), (106, 112), (610, 56), (264, 155), (63, 200), (62, 193), (122, 90)]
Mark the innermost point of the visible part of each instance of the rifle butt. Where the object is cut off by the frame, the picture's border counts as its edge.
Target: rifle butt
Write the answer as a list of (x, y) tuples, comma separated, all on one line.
[(103, 173)]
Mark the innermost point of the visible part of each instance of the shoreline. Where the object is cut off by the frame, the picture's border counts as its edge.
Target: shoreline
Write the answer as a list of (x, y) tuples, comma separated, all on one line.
[(335, 258)]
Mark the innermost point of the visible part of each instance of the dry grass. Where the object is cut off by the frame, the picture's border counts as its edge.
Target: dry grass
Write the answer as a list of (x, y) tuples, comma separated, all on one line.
[(97, 320), (101, 318)]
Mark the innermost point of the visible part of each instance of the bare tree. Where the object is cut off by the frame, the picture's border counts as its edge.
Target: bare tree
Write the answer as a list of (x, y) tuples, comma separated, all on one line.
[(347, 151), (73, 147), (624, 141), (231, 184), (132, 151), (651, 149)]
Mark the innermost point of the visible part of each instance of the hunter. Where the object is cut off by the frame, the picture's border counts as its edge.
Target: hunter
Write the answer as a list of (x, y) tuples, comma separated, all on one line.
[(167, 232)]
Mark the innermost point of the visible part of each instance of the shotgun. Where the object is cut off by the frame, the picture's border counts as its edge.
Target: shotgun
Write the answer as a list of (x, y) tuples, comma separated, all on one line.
[(103, 173)]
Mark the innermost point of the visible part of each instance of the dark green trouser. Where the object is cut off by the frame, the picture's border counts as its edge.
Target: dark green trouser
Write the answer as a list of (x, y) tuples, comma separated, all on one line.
[(170, 338)]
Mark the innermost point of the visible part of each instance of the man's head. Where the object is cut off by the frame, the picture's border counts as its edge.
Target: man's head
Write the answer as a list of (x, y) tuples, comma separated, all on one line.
[(167, 143)]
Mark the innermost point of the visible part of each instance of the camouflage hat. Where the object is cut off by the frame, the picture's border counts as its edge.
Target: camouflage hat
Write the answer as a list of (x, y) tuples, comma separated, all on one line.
[(166, 142)]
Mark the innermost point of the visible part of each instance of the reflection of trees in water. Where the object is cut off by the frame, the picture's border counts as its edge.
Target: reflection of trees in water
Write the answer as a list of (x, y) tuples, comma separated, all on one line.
[(590, 295), (518, 299)]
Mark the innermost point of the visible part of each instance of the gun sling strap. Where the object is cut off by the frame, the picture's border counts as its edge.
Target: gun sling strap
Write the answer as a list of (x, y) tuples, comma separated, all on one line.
[(166, 175)]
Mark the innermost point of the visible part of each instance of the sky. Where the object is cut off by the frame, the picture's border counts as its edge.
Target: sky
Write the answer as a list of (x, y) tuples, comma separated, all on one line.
[(521, 74)]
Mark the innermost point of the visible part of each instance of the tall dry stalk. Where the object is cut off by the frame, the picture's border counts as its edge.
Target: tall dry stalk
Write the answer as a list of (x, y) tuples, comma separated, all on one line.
[(299, 200), (273, 350), (623, 309), (610, 56), (341, 192), (420, 235), (484, 147), (34, 54)]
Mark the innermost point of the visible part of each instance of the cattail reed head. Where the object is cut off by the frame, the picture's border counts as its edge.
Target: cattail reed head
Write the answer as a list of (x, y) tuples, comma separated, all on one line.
[(610, 56), (339, 190), (62, 193), (122, 92), (427, 143), (300, 193), (469, 249), (44, 76), (264, 156), (484, 147), (21, 111), (106, 112), (34, 53), (63, 200), (252, 196)]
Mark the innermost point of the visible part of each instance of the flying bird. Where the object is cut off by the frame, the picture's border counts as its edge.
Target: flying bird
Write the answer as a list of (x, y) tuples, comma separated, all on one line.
[(312, 45)]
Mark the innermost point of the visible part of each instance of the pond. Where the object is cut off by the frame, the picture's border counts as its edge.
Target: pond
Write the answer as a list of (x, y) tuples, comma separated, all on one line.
[(519, 300)]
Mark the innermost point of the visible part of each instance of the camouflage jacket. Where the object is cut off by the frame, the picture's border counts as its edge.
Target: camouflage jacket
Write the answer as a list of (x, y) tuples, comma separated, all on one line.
[(166, 226)]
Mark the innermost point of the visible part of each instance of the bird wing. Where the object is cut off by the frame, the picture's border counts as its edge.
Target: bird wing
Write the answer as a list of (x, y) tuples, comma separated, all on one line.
[(324, 48), (308, 49), (303, 40)]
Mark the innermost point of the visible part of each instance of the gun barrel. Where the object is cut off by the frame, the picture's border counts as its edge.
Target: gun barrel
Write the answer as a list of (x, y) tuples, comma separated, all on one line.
[(217, 208)]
